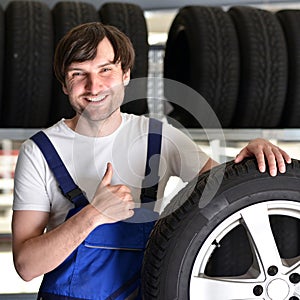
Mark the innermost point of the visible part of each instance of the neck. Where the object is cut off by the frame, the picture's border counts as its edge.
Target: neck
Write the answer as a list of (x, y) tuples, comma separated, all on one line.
[(98, 128)]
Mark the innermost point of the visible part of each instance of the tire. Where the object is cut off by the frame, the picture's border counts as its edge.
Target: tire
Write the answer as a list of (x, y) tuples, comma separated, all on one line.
[(290, 21), (264, 68), (236, 246), (129, 18), (202, 52), (28, 64), (67, 15), (1, 55)]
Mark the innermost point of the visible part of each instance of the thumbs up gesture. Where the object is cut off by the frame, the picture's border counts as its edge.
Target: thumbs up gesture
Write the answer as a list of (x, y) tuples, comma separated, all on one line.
[(114, 202)]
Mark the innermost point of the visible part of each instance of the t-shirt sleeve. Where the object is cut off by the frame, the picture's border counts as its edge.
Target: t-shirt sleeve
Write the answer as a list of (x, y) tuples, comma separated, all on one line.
[(30, 180), (184, 157)]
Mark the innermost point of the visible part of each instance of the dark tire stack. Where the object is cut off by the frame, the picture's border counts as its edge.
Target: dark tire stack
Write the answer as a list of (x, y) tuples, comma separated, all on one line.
[(28, 64), (264, 68), (237, 60), (202, 52), (2, 55), (29, 33), (290, 21), (244, 62)]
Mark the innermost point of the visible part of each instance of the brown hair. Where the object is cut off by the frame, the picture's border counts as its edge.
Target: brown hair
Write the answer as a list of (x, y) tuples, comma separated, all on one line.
[(80, 44)]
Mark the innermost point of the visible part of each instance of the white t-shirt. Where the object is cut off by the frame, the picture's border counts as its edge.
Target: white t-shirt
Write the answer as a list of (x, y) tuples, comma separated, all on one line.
[(86, 158)]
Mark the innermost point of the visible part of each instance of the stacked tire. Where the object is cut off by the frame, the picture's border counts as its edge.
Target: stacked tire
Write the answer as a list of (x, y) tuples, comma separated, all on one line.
[(244, 62), (28, 64), (30, 31), (202, 52), (290, 21)]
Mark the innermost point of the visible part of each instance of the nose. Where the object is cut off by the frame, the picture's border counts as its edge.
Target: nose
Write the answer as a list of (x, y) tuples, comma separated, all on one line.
[(93, 84)]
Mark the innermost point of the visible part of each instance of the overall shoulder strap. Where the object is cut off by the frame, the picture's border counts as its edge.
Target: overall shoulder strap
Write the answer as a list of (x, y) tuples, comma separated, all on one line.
[(151, 180), (68, 187)]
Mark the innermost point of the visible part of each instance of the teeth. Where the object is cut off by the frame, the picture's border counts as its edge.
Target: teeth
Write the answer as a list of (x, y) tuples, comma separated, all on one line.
[(96, 99)]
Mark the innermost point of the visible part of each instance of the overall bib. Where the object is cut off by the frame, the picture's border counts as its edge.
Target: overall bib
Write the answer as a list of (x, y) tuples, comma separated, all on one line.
[(107, 264)]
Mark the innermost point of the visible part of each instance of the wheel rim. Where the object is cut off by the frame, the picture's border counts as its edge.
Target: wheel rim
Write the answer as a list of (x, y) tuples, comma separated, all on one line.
[(270, 276)]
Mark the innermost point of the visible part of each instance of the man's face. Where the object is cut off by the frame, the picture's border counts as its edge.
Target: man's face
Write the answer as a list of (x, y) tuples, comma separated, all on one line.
[(96, 87)]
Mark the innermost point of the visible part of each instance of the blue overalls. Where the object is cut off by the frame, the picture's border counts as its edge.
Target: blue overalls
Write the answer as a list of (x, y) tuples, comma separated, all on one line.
[(107, 264)]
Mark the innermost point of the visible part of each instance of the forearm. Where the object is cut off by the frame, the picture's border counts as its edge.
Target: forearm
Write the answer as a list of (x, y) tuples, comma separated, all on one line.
[(36, 253), (40, 254)]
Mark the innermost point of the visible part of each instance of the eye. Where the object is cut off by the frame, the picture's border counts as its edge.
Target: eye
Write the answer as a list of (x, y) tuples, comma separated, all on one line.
[(77, 74), (105, 69)]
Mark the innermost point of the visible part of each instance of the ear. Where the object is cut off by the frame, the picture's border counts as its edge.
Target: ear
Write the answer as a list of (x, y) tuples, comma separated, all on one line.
[(64, 88), (126, 77)]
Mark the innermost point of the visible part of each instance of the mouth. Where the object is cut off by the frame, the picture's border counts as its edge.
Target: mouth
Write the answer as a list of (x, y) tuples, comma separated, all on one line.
[(96, 99)]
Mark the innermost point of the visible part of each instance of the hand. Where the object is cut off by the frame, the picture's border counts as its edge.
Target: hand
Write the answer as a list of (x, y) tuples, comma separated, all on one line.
[(114, 202), (263, 149)]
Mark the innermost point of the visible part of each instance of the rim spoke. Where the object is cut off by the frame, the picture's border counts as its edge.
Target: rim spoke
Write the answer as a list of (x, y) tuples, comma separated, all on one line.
[(293, 265), (214, 288), (257, 222), (296, 267)]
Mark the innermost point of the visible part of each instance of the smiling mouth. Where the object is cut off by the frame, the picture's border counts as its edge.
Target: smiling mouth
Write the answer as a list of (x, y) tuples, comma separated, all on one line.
[(96, 99)]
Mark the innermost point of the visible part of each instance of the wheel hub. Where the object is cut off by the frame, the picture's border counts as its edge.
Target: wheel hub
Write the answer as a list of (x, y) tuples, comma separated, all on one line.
[(278, 289)]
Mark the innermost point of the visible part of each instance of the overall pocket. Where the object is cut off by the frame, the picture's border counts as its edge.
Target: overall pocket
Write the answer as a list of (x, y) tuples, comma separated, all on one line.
[(108, 262)]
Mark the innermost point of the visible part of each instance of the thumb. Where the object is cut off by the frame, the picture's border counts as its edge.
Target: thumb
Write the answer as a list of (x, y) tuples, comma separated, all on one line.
[(106, 180)]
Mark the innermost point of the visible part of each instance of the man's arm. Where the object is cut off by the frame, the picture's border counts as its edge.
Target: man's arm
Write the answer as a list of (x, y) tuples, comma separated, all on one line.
[(36, 253)]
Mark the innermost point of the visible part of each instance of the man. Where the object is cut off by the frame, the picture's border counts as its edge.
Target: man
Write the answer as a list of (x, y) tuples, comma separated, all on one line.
[(104, 150)]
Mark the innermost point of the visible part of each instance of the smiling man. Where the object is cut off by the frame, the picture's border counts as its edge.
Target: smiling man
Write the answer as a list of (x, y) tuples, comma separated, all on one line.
[(83, 254)]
